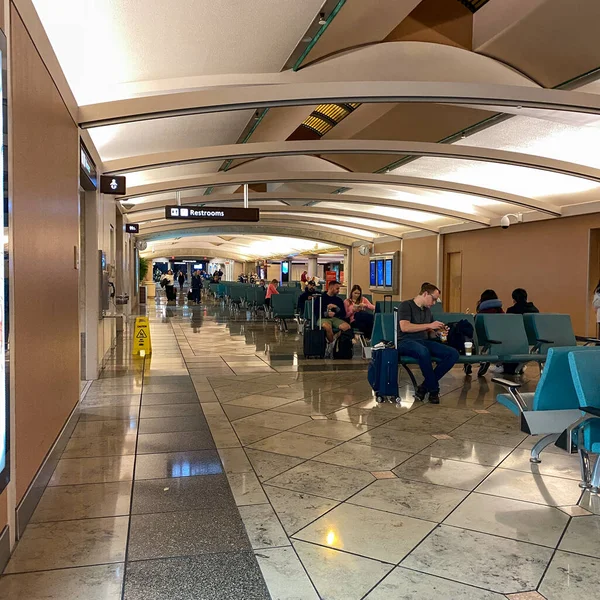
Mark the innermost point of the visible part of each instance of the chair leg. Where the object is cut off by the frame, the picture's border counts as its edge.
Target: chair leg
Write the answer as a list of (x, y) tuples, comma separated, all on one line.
[(596, 477), (540, 445), (584, 464), (412, 377)]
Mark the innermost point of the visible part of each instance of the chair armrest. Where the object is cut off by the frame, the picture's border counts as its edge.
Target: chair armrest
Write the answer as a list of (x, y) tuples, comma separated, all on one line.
[(513, 389), (592, 410), (587, 340), (492, 342), (538, 345), (507, 383)]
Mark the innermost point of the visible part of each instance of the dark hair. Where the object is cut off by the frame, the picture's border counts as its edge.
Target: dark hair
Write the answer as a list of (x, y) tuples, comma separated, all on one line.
[(334, 282), (429, 288), (519, 295), (487, 295), (356, 287), (597, 290)]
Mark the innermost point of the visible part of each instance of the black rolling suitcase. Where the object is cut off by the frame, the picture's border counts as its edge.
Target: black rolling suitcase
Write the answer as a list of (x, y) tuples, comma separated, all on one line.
[(314, 338), (383, 369)]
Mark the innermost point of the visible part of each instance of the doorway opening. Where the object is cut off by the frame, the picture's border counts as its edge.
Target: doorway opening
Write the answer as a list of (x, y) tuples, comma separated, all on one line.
[(453, 282)]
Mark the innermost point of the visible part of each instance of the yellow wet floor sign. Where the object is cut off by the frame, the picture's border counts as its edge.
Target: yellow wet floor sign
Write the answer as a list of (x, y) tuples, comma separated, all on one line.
[(141, 337)]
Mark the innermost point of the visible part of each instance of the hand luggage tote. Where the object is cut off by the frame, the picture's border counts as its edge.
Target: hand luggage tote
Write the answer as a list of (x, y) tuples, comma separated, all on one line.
[(314, 339)]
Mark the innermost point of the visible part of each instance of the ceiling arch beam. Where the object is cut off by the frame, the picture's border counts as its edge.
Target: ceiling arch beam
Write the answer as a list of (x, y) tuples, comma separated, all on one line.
[(252, 97), (314, 232), (191, 252), (233, 178), (312, 148), (481, 217)]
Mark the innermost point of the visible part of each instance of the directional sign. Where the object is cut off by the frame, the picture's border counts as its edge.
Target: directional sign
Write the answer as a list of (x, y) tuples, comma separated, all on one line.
[(212, 213), (113, 184), (132, 228), (141, 337)]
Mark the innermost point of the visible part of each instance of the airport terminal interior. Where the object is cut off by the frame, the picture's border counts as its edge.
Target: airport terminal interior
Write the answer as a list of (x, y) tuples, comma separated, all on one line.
[(300, 300)]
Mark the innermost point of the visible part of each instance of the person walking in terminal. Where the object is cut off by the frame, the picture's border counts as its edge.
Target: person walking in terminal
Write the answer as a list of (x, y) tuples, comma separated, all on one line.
[(418, 338), (272, 289), (333, 312), (356, 309), (520, 305), (169, 285), (181, 280), (196, 287), (489, 303)]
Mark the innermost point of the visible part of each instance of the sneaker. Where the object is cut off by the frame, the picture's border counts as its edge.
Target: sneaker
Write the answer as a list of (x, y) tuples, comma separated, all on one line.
[(497, 369), (420, 393), (434, 397)]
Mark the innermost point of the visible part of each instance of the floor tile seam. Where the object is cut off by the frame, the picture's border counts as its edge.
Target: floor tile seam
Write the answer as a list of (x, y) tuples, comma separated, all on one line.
[(339, 443), (234, 507), (368, 471), (532, 473), (557, 547), (66, 568), (477, 491), (224, 553), (128, 537), (344, 551), (469, 585), (504, 537)]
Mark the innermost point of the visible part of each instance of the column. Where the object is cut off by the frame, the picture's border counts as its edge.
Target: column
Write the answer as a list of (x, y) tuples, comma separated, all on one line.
[(348, 269), (189, 273), (312, 266)]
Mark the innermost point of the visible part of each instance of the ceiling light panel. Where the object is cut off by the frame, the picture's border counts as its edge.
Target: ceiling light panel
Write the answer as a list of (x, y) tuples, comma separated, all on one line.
[(211, 39), (522, 181)]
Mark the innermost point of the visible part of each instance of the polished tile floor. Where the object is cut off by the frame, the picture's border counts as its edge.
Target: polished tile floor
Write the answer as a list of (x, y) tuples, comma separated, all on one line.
[(225, 466)]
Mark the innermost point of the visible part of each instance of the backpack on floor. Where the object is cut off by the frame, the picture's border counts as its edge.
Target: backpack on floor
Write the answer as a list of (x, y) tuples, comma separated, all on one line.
[(343, 347), (459, 333)]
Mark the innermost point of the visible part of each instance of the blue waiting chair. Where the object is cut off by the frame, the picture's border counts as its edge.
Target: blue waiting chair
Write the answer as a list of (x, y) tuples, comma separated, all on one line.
[(585, 370), (547, 330), (553, 407)]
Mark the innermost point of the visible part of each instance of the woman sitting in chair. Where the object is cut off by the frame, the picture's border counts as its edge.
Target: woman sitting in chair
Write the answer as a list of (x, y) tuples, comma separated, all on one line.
[(356, 309)]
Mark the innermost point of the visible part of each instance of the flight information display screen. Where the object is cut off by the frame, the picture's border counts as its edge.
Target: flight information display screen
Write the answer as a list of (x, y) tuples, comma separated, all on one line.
[(388, 272), (372, 279), (380, 276)]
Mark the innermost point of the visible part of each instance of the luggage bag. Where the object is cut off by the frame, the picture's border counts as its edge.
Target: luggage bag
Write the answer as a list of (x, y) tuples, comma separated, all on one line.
[(314, 338), (383, 370)]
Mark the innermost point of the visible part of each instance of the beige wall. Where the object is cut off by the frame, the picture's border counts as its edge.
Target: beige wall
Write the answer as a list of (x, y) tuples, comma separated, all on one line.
[(548, 258), (45, 233), (419, 264)]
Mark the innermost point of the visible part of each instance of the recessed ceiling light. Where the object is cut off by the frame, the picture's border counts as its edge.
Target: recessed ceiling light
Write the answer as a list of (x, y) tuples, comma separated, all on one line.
[(307, 39), (322, 20)]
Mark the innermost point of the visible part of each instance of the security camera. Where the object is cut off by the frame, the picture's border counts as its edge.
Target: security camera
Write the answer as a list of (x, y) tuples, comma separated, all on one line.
[(505, 220)]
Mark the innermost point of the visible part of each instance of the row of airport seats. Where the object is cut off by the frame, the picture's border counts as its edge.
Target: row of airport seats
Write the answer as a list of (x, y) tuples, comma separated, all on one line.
[(498, 338), (565, 407)]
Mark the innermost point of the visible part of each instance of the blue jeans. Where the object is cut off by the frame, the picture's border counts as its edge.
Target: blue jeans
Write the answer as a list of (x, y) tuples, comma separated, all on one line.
[(423, 350)]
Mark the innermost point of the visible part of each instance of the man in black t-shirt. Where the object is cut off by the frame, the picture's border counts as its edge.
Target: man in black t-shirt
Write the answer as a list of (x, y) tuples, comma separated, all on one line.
[(333, 312), (417, 335)]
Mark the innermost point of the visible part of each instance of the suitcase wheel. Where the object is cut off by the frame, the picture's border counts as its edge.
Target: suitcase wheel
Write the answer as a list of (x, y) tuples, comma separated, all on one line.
[(398, 400), (379, 399)]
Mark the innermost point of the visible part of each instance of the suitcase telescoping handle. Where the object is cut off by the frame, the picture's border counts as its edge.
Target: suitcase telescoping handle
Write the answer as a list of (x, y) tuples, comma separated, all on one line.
[(385, 299), (313, 324), (396, 327)]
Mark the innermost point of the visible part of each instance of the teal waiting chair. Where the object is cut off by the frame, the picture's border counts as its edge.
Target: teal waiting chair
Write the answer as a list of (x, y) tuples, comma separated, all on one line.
[(547, 330), (585, 370), (553, 407), (283, 307)]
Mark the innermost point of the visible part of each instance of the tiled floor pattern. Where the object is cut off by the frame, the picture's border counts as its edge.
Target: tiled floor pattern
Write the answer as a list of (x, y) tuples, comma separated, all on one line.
[(340, 498)]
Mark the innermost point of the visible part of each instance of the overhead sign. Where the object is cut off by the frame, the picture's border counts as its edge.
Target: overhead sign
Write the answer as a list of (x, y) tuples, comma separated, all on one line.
[(113, 184), (201, 213), (141, 337), (89, 177), (132, 228)]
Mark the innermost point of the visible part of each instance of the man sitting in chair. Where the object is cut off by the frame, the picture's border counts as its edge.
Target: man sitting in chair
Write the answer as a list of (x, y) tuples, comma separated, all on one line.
[(418, 338)]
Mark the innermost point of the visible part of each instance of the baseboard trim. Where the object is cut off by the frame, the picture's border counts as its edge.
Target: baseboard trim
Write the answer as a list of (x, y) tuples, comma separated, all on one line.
[(32, 496), (4, 548)]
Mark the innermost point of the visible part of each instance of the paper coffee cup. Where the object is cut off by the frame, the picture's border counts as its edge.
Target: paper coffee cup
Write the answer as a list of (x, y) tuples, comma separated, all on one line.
[(468, 348)]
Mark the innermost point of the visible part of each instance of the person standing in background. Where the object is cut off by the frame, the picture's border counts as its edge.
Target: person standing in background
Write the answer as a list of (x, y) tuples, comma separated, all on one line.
[(303, 279), (596, 306), (196, 287), (272, 289), (181, 280)]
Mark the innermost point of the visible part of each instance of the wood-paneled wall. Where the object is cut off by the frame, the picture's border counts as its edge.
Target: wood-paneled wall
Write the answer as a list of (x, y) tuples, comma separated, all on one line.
[(45, 232)]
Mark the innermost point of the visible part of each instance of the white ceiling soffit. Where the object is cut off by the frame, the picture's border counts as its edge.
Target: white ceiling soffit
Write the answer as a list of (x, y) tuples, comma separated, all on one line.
[(154, 40), (234, 178), (324, 147), (237, 98), (416, 209), (168, 135)]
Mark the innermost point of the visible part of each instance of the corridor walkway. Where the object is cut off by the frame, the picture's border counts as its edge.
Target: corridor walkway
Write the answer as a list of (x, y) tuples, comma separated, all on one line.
[(226, 467)]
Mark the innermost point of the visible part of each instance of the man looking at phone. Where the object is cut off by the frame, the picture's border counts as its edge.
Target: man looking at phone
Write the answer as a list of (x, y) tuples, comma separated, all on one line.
[(418, 336)]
